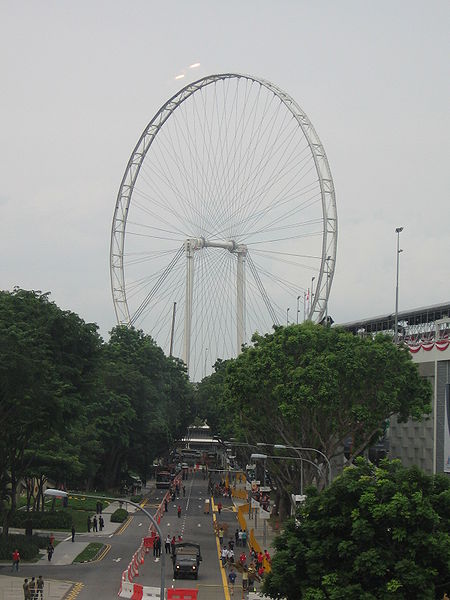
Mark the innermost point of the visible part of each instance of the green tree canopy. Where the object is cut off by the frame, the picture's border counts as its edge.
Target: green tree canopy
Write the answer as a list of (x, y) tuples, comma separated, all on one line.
[(375, 533)]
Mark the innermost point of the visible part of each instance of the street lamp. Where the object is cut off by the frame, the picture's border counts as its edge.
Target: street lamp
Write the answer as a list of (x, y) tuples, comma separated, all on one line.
[(264, 457), (298, 310), (398, 230), (62, 494), (283, 447), (287, 316)]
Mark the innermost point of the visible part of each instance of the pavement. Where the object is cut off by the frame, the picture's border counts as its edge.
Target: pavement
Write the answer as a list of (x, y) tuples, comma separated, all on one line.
[(65, 553)]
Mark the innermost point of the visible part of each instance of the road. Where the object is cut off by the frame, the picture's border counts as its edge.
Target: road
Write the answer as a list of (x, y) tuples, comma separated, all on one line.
[(101, 580)]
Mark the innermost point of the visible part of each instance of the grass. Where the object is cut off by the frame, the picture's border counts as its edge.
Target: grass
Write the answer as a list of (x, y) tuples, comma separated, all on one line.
[(89, 553)]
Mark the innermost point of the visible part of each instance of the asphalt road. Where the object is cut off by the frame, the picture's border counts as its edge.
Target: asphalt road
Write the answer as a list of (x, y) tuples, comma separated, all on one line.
[(101, 580)]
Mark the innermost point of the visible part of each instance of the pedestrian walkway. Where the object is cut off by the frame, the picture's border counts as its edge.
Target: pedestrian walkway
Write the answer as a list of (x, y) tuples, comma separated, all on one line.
[(11, 588)]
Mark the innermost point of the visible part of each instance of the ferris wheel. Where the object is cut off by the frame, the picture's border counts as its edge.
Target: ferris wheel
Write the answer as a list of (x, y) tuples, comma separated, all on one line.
[(225, 222)]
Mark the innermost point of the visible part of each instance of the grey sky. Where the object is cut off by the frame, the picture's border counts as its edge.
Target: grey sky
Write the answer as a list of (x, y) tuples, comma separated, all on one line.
[(81, 80)]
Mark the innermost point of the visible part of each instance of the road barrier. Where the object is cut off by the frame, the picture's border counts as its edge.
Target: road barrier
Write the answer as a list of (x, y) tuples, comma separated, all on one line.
[(174, 594)]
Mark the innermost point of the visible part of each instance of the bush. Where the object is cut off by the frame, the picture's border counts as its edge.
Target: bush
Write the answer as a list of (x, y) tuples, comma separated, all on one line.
[(41, 520), (136, 499), (119, 515), (28, 546)]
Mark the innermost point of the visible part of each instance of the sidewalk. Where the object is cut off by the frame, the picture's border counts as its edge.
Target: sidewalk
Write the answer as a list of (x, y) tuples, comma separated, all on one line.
[(65, 553)]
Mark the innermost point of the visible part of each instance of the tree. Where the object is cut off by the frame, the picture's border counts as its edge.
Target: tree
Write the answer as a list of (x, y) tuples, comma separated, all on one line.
[(48, 367), (375, 533), (313, 386)]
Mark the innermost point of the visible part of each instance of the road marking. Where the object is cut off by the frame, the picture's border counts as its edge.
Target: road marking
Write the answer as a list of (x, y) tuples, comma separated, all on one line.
[(117, 559), (104, 552), (140, 525), (124, 526), (199, 525), (222, 570), (111, 535), (74, 592)]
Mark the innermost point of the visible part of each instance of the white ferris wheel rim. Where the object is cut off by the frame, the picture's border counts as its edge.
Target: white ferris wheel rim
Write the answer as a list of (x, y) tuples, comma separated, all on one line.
[(325, 274)]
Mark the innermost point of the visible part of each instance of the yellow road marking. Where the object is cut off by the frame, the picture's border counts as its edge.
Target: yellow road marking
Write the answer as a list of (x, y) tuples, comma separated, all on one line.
[(213, 506), (222, 570), (124, 526), (74, 592), (103, 553)]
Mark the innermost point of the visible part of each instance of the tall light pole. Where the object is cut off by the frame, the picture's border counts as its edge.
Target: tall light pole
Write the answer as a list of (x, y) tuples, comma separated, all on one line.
[(328, 279), (298, 309), (287, 316), (398, 230), (312, 290), (61, 494)]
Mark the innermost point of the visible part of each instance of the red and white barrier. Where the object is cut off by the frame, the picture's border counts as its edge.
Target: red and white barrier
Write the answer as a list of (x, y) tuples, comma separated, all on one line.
[(180, 594)]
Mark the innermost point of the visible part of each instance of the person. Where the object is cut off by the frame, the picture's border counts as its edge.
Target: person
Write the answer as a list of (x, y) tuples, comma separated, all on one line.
[(179, 511), (251, 572), (167, 544), (231, 580), (230, 556), (101, 522), (15, 560), (245, 579), (26, 590), (73, 533), (219, 507), (94, 524), (184, 491), (224, 556), (165, 504), (52, 539), (40, 588), (221, 533), (158, 546), (236, 537), (50, 550), (267, 556), (261, 572), (259, 559), (89, 524), (239, 541), (172, 545), (243, 558), (244, 538), (155, 546), (32, 588)]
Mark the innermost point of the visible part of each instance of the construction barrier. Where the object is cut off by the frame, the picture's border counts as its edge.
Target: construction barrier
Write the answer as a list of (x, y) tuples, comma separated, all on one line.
[(243, 509), (148, 542), (173, 594)]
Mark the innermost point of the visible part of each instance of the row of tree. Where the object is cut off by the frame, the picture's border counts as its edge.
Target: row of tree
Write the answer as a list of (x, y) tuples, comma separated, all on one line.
[(315, 387), (78, 410)]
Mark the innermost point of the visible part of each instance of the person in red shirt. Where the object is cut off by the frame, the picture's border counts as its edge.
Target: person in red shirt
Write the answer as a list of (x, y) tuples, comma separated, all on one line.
[(179, 511), (259, 559), (267, 556), (219, 507), (15, 560), (243, 558)]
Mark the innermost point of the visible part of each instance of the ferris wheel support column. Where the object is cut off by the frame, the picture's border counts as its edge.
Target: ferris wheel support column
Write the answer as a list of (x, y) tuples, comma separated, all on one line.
[(189, 246), (241, 252)]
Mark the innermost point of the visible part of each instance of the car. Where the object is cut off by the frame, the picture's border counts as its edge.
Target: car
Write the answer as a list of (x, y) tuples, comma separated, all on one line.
[(186, 560)]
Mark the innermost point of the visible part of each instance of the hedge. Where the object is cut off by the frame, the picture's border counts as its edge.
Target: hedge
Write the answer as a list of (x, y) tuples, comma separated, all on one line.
[(41, 520), (119, 516), (28, 546)]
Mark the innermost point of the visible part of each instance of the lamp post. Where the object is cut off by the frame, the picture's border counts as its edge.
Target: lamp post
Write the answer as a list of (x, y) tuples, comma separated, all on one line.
[(287, 316), (328, 279), (312, 290), (398, 230), (283, 447), (298, 309), (61, 494)]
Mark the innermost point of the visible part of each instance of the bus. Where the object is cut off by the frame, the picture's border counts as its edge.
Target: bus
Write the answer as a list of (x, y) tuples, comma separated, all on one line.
[(163, 479)]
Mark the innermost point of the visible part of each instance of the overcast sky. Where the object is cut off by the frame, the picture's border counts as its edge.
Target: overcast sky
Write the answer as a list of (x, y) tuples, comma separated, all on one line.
[(81, 80)]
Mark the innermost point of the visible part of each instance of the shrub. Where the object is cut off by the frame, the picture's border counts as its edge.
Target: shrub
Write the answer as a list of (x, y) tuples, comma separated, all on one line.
[(28, 546), (136, 499), (119, 515), (42, 520)]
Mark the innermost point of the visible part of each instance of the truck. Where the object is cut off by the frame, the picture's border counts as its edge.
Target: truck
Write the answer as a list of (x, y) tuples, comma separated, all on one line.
[(186, 559)]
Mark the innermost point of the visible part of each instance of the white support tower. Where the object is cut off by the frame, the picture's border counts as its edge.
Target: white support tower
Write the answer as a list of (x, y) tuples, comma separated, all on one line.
[(195, 244)]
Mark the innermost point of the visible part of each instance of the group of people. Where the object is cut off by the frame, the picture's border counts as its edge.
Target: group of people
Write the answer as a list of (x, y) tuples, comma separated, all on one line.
[(170, 542), (33, 589), (94, 524)]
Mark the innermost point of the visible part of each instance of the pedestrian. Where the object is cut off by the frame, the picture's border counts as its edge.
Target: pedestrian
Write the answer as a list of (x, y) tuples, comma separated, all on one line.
[(244, 538), (231, 580), (236, 537), (158, 546), (245, 579), (179, 511), (155, 545), (267, 556), (32, 587), (26, 590), (89, 524), (165, 504), (15, 560), (52, 539), (224, 556), (50, 550), (167, 544), (40, 588), (230, 556), (73, 533), (184, 491), (219, 507), (221, 534), (243, 558), (240, 542), (94, 524), (101, 522), (172, 545)]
